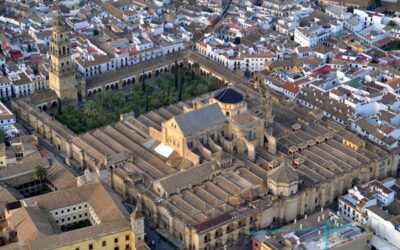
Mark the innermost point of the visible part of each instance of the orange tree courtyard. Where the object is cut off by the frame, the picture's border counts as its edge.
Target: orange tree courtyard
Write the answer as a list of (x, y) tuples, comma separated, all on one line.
[(105, 108)]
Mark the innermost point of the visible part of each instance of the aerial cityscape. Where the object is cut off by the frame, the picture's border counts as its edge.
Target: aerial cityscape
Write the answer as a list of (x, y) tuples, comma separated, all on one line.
[(200, 124)]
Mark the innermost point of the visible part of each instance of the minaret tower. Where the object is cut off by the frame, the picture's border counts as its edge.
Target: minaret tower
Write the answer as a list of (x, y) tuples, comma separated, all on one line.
[(266, 104), (62, 75)]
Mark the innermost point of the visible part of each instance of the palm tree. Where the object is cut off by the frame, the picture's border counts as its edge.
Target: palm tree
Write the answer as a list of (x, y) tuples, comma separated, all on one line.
[(196, 68), (176, 72), (40, 175)]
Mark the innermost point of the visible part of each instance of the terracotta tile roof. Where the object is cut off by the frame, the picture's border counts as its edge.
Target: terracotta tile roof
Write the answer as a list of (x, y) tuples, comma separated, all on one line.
[(291, 87)]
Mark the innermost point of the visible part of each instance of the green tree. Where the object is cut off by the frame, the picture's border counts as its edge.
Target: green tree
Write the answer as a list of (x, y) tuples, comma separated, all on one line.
[(392, 23), (193, 75), (196, 68), (59, 110), (180, 91), (213, 83), (176, 75), (40, 173), (160, 84), (394, 45), (201, 89), (92, 112), (143, 83), (155, 100), (147, 100), (2, 136)]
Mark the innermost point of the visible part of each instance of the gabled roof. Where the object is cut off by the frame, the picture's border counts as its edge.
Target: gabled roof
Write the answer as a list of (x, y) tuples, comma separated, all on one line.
[(200, 119), (228, 95), (184, 179), (284, 174)]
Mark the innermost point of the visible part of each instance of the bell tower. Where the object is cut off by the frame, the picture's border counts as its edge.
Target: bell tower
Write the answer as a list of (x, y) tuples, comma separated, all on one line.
[(266, 104), (62, 75)]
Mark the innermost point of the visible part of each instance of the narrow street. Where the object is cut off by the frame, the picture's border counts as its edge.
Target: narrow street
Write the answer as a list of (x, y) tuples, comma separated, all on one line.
[(43, 144), (155, 241)]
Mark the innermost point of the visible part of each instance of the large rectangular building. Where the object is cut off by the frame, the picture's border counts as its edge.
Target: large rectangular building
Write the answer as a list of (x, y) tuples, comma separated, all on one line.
[(209, 170), (84, 217)]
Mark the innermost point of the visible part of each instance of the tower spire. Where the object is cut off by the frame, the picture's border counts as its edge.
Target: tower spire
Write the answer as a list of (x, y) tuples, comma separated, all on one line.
[(62, 75), (266, 104), (58, 22)]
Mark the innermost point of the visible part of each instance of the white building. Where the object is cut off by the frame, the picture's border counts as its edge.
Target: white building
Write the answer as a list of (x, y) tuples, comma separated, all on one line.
[(370, 18), (22, 85), (367, 204), (314, 35), (353, 205), (5, 87), (385, 229), (363, 126), (7, 121), (229, 56), (92, 65)]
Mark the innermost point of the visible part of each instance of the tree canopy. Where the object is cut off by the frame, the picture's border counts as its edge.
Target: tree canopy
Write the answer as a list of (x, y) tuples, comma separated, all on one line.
[(2, 136), (40, 173), (392, 23), (168, 88)]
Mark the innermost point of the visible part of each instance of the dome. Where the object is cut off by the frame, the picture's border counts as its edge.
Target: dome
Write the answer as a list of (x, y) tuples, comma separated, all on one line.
[(229, 96)]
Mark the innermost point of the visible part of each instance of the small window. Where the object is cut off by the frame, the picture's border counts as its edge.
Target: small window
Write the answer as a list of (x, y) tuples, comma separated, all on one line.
[(90, 246), (127, 237), (104, 243), (116, 240)]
